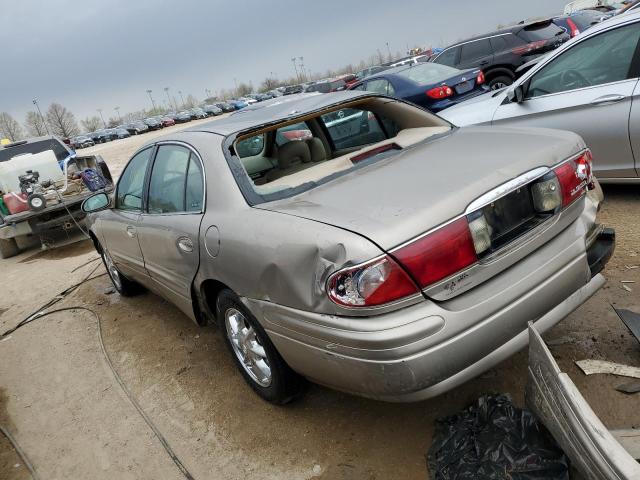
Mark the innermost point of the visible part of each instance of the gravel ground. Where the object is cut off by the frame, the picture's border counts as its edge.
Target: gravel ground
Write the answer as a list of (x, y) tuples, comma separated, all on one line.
[(61, 402)]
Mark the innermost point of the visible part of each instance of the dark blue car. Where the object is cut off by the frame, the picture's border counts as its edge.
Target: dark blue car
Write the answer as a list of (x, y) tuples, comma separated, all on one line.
[(430, 85)]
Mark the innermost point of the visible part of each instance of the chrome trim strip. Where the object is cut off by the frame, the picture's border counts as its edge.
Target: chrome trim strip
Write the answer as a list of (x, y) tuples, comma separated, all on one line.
[(506, 188)]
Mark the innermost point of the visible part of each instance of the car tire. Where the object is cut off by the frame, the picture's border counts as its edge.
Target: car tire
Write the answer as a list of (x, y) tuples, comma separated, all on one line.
[(8, 248), (124, 286), (254, 354), (500, 82)]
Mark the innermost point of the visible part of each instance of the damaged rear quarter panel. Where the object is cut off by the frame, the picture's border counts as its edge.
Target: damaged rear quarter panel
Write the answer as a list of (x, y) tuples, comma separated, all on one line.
[(282, 259)]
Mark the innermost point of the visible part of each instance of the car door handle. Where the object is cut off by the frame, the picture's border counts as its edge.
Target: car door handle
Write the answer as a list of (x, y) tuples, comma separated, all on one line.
[(608, 99), (185, 244), (131, 231)]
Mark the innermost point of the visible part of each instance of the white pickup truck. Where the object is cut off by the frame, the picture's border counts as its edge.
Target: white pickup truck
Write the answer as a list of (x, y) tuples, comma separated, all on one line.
[(56, 192)]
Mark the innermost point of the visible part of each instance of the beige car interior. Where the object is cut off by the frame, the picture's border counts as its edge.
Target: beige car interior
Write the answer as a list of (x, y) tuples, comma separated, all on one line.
[(302, 161)]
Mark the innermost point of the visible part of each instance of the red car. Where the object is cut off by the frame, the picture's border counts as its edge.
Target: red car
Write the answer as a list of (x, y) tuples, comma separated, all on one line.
[(167, 121)]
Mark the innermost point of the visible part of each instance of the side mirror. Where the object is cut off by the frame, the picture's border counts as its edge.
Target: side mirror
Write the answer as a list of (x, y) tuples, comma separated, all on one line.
[(95, 203), (516, 94)]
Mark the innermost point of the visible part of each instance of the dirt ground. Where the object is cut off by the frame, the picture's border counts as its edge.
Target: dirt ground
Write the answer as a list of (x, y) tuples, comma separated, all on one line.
[(61, 402)]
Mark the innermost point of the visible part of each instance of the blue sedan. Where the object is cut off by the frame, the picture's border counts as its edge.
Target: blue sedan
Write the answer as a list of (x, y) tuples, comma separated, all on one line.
[(430, 85)]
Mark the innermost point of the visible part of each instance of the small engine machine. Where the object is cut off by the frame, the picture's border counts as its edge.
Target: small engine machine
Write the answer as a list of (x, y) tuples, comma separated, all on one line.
[(31, 186)]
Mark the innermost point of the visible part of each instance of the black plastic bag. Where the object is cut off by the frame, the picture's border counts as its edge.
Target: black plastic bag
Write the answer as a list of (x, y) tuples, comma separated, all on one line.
[(492, 439)]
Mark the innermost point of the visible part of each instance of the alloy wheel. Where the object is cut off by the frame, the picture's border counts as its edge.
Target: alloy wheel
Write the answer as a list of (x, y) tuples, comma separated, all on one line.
[(247, 347)]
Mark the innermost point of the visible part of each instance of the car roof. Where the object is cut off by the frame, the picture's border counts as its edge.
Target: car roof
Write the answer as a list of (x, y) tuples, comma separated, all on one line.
[(276, 109)]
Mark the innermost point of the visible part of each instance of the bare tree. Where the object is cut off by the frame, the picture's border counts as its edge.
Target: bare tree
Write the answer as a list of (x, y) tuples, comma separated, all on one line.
[(61, 121), (91, 124), (9, 128), (35, 125), (243, 89), (190, 102)]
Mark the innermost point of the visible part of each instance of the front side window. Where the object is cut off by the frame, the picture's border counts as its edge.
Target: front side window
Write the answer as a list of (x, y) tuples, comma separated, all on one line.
[(599, 60), (168, 190), (131, 184)]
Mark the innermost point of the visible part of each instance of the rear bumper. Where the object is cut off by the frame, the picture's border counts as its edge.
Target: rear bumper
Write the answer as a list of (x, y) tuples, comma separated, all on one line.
[(430, 347), (555, 400)]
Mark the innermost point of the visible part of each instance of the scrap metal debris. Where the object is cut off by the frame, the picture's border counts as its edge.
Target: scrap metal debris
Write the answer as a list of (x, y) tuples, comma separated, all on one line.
[(631, 320), (494, 439), (591, 367), (629, 387)]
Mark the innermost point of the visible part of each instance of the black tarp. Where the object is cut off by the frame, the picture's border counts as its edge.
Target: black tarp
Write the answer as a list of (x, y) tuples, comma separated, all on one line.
[(493, 439)]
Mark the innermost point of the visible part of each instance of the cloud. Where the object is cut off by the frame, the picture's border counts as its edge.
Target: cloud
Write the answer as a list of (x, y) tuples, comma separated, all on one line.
[(89, 55)]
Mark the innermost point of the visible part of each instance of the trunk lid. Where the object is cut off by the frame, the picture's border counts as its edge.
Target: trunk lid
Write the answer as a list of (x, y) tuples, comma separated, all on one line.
[(401, 197)]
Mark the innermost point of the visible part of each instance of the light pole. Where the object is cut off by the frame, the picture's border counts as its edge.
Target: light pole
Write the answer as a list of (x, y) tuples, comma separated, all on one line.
[(46, 127), (181, 97), (166, 90), (117, 109), (389, 52), (295, 66), (103, 122), (302, 68), (153, 104)]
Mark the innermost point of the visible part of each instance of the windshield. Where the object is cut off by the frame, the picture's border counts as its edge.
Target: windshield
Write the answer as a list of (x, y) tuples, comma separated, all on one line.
[(58, 148), (544, 31), (427, 73)]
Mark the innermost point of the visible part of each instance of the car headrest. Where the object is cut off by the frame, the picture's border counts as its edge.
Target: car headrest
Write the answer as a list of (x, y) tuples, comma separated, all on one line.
[(318, 152), (293, 153)]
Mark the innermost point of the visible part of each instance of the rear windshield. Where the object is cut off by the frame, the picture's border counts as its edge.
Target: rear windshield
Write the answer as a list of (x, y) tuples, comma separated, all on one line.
[(426, 73), (540, 31), (300, 156), (58, 148)]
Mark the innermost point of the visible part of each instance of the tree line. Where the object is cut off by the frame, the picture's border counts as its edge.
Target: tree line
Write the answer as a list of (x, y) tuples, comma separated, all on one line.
[(58, 120)]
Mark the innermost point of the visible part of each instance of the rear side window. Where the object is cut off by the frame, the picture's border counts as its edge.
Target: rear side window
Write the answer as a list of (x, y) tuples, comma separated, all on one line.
[(499, 44), (475, 50), (194, 193), (350, 128), (380, 85), (427, 73), (540, 31), (131, 184), (448, 57)]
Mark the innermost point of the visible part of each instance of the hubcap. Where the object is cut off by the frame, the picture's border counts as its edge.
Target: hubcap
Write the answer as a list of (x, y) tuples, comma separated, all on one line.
[(247, 347), (112, 270)]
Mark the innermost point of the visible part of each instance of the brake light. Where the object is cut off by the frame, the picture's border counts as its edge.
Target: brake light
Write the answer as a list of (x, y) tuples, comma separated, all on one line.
[(480, 78), (439, 254), (440, 92), (575, 177), (374, 283), (529, 47), (574, 30)]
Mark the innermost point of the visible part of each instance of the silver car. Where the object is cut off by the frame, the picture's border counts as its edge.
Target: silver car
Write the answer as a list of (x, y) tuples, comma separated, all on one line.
[(357, 240), (588, 86)]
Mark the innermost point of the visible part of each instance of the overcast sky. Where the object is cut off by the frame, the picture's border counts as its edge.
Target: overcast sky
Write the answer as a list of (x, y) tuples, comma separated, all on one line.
[(89, 54)]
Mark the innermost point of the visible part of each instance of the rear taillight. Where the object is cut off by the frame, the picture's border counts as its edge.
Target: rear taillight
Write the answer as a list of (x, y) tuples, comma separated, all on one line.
[(440, 92), (374, 283), (574, 30), (480, 78), (439, 254), (529, 47), (575, 177)]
